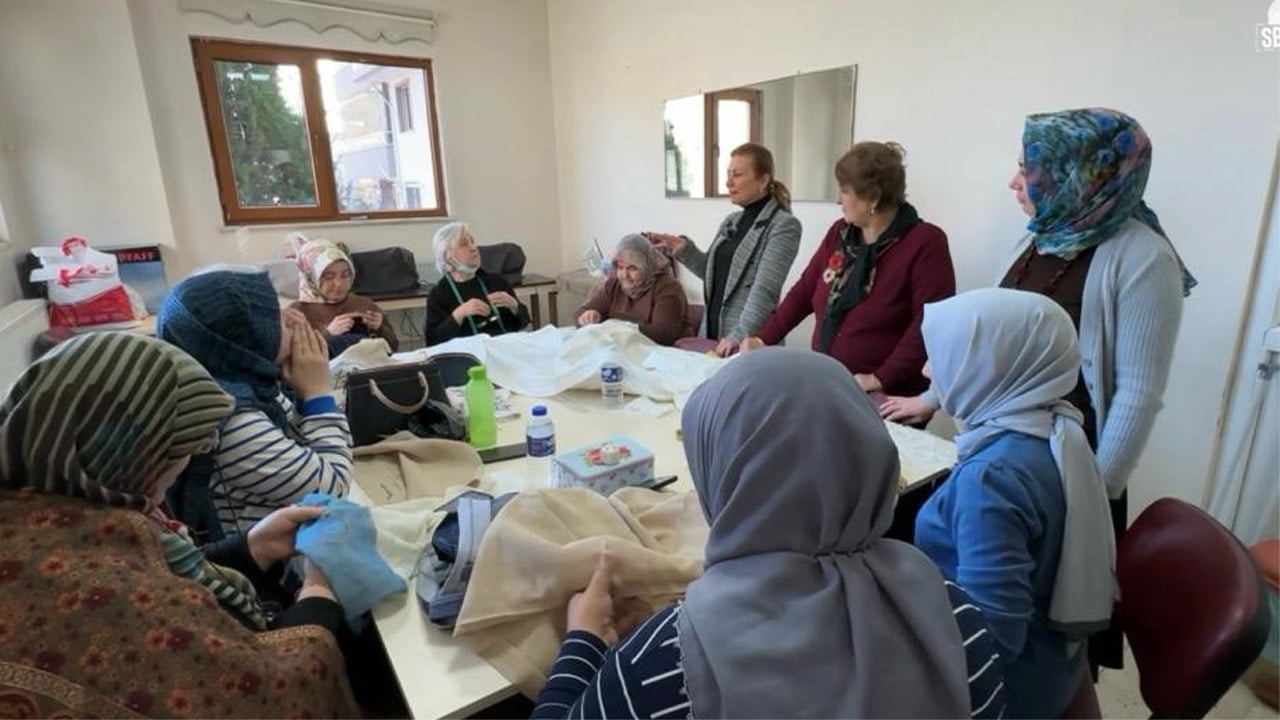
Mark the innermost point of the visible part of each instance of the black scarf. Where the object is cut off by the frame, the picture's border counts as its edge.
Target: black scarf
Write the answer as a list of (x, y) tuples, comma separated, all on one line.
[(852, 282)]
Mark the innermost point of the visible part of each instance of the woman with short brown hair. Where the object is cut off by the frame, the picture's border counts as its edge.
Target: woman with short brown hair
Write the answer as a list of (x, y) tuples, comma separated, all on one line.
[(871, 276)]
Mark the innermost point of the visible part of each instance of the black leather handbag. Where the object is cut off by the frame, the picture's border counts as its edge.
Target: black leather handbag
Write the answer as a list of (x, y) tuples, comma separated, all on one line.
[(389, 270), (383, 401), (505, 259)]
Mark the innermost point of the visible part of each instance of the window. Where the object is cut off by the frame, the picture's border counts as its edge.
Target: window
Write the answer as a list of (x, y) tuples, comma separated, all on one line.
[(404, 107), (307, 134), (732, 118)]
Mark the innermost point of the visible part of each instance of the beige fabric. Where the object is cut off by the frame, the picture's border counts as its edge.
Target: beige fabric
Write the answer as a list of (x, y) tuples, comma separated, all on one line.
[(407, 478), (542, 548)]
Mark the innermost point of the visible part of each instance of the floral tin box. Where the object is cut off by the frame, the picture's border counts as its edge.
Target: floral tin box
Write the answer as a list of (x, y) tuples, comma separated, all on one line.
[(606, 466)]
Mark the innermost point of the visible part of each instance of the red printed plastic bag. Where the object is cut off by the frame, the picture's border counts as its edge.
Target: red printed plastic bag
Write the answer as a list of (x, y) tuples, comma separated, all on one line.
[(84, 285)]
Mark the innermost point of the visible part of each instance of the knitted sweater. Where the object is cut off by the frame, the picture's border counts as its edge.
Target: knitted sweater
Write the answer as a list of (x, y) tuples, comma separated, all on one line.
[(1128, 324)]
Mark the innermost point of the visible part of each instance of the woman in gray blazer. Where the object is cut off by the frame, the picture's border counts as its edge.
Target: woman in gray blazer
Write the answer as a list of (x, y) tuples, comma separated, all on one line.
[(743, 270)]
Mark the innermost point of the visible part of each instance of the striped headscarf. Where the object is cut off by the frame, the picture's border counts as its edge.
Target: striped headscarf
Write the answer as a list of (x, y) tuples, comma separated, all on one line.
[(102, 417), (1086, 172)]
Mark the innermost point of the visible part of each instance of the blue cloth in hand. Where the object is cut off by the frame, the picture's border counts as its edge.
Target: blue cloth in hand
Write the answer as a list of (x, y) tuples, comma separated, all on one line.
[(344, 543)]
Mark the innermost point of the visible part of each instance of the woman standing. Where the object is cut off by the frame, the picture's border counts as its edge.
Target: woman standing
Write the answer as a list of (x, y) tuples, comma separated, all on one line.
[(871, 276), (326, 275), (641, 289), (743, 270), (467, 300), (1096, 249)]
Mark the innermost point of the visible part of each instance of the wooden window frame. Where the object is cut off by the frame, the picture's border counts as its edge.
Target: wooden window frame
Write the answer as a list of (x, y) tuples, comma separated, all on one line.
[(206, 51), (713, 186)]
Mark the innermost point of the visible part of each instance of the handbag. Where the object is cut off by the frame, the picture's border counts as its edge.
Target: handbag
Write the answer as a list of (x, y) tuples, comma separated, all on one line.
[(389, 270), (382, 401), (504, 259), (444, 568)]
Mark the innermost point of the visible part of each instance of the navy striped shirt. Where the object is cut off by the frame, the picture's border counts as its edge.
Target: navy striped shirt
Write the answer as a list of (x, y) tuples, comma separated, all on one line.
[(643, 676), (259, 468)]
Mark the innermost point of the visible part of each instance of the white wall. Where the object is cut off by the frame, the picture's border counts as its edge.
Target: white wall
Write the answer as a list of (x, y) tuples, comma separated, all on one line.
[(952, 82), (102, 132), (76, 142)]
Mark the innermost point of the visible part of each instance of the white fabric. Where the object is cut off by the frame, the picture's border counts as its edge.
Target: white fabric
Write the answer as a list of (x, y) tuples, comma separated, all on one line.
[(549, 361)]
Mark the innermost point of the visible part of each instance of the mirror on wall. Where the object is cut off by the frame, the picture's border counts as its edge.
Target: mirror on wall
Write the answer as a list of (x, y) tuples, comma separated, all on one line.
[(806, 120)]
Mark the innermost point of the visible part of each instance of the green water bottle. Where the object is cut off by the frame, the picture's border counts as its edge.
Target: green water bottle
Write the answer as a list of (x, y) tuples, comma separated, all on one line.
[(482, 426)]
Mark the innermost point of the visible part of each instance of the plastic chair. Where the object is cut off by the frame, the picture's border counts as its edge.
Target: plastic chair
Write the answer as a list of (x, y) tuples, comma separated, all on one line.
[(1191, 605)]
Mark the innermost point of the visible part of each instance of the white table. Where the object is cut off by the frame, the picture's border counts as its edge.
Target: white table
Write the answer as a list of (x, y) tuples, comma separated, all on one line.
[(442, 678)]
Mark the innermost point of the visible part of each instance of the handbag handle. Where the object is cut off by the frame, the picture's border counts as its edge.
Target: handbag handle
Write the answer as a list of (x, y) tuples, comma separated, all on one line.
[(375, 391)]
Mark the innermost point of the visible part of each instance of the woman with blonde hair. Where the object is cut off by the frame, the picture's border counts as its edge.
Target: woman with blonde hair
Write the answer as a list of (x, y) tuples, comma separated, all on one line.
[(467, 300), (748, 260)]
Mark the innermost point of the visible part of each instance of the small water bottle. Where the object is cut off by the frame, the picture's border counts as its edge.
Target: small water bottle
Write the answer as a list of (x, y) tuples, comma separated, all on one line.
[(611, 384), (540, 444)]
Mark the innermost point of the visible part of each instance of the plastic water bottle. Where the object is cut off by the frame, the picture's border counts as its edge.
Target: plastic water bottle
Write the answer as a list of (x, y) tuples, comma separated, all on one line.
[(540, 444), (611, 384), (482, 425)]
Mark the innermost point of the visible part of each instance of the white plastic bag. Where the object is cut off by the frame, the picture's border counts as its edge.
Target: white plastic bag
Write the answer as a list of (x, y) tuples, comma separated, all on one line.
[(84, 285)]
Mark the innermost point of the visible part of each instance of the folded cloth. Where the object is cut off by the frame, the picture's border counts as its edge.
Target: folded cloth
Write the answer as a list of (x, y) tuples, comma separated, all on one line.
[(343, 542), (542, 548)]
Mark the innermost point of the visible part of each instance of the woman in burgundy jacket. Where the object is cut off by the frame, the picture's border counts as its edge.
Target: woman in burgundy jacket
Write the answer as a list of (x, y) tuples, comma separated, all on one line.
[(870, 278)]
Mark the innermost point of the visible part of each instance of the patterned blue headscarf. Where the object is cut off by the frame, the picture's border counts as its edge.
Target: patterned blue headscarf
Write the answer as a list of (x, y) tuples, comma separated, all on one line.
[(1086, 171), (230, 322)]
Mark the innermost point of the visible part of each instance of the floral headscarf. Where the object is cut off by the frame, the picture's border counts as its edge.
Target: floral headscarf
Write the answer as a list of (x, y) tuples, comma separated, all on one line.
[(1086, 172), (313, 256)]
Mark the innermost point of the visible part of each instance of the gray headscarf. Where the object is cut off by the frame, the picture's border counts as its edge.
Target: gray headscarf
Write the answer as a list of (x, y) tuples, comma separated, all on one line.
[(644, 254), (805, 609), (1002, 360)]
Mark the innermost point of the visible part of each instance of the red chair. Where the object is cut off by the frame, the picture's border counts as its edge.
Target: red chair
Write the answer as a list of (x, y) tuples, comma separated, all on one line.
[(1191, 605)]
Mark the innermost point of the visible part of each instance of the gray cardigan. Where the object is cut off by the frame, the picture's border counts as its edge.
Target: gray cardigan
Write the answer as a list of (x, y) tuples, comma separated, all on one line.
[(1129, 318), (760, 266)]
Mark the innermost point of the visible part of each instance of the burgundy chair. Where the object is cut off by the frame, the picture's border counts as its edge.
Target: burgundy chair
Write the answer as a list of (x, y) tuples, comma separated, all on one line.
[(692, 323), (1191, 605)]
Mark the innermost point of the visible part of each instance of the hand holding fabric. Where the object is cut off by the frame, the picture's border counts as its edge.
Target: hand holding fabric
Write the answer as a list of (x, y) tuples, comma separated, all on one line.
[(272, 539), (596, 610), (909, 410)]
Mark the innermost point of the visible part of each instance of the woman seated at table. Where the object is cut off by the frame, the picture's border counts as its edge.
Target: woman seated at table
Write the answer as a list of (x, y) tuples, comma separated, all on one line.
[(108, 609), (871, 276), (804, 609), (267, 455), (1023, 522), (326, 275), (743, 269), (642, 289), (467, 300)]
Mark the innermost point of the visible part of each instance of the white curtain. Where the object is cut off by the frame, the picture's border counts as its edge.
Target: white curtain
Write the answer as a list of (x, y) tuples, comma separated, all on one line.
[(1244, 485)]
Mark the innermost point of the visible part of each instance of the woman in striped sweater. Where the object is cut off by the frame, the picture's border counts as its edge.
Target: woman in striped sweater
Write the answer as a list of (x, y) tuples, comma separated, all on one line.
[(270, 453), (804, 609)]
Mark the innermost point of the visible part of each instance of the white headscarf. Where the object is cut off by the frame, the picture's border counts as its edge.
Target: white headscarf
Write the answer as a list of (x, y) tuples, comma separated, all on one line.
[(1002, 360), (805, 609), (445, 242)]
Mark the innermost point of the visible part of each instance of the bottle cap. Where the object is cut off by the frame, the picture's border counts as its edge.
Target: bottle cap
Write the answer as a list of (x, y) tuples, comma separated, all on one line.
[(477, 372), (539, 410)]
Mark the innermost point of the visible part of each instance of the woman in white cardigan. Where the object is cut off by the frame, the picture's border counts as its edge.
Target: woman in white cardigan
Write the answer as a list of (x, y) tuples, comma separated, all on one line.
[(1095, 248)]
